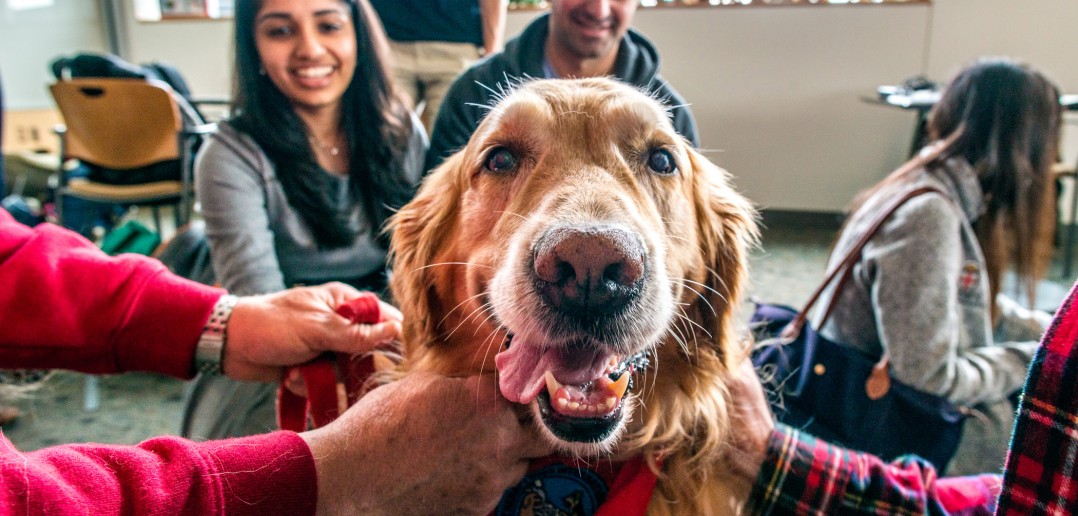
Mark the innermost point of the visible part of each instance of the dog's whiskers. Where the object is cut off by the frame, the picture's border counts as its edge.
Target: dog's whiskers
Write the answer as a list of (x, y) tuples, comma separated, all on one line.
[(485, 348), (466, 318), (497, 95), (484, 308), (490, 315), (430, 265), (451, 310), (682, 315), (684, 282), (676, 237), (716, 292), (680, 339), (722, 282), (695, 334), (487, 107), (648, 384), (522, 217)]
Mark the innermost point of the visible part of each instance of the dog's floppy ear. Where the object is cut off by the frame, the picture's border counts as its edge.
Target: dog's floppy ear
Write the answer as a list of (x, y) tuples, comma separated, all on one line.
[(419, 231), (727, 226)]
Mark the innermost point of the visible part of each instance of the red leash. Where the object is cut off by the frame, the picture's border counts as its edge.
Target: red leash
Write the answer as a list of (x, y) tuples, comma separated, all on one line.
[(333, 380)]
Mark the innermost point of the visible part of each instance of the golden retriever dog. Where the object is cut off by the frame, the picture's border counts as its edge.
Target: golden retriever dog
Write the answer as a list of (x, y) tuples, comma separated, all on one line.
[(575, 246)]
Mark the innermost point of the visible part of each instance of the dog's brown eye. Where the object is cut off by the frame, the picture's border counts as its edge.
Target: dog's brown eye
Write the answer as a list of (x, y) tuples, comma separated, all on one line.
[(662, 162), (500, 159)]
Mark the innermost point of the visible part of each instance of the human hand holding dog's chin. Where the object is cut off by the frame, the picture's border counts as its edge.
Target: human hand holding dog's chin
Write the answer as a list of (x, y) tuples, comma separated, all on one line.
[(421, 445), (270, 332), (752, 422)]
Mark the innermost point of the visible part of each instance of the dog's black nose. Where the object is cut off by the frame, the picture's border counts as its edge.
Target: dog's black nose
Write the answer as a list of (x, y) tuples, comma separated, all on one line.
[(589, 271)]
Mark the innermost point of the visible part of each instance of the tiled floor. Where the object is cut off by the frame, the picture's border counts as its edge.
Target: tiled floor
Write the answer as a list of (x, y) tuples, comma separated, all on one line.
[(785, 269)]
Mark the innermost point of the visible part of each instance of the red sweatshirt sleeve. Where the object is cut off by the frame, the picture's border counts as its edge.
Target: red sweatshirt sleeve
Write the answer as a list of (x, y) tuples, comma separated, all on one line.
[(261, 475), (65, 304)]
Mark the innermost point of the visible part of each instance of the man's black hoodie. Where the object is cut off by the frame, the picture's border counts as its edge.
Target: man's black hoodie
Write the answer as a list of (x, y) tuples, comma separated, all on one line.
[(637, 63)]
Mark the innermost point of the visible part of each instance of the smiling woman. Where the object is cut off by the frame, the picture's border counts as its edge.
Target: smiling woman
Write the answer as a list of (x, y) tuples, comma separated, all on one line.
[(295, 187), (310, 58)]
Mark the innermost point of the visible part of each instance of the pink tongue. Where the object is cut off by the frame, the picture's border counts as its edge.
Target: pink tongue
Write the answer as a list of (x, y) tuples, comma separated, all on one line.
[(521, 369)]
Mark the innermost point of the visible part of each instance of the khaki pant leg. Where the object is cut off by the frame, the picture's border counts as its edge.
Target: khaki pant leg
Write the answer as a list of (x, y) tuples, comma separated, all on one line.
[(405, 70), (439, 66)]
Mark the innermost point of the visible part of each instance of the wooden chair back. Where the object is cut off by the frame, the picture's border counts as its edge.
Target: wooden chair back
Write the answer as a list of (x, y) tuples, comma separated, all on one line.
[(118, 123)]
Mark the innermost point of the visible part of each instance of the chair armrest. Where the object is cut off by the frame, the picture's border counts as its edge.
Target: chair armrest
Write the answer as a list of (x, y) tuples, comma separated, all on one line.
[(211, 101), (199, 130), (1063, 169)]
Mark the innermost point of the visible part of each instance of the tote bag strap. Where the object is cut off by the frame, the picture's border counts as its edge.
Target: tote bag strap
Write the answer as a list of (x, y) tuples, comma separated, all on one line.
[(843, 268)]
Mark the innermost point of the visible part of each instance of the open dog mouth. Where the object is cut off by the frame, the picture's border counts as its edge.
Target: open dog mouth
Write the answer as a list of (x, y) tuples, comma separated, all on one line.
[(579, 390)]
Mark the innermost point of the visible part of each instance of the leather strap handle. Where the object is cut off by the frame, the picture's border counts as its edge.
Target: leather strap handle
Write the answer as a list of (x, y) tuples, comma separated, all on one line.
[(843, 268)]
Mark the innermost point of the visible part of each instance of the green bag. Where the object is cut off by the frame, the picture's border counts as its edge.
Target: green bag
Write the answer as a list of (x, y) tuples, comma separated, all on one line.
[(131, 237)]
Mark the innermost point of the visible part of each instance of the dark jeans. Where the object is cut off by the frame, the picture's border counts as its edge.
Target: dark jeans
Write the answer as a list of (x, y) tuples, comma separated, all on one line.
[(83, 216)]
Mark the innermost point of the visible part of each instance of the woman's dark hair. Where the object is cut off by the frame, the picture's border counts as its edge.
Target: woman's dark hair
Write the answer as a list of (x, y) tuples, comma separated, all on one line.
[(1003, 118), (375, 119)]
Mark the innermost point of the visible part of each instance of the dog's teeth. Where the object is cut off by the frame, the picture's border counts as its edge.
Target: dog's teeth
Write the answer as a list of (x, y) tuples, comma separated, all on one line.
[(617, 388), (552, 384), (574, 405), (563, 403)]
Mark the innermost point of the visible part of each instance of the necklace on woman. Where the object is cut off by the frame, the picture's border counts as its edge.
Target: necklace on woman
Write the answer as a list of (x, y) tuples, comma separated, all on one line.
[(332, 150)]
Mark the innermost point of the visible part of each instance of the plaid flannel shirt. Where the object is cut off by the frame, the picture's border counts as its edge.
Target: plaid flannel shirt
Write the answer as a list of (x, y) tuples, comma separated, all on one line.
[(804, 475), (1041, 475)]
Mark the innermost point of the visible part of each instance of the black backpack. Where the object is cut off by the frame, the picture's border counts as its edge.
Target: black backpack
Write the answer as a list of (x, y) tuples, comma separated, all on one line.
[(107, 65)]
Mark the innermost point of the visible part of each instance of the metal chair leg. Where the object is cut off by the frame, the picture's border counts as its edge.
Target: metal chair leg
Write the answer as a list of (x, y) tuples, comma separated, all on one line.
[(91, 394), (156, 218)]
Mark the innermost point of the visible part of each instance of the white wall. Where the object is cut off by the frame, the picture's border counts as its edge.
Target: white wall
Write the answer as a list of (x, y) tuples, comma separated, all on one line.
[(30, 39), (776, 90), (200, 49), (1041, 32)]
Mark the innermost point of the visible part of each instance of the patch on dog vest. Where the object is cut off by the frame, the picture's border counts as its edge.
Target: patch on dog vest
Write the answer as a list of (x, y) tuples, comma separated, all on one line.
[(555, 490), (561, 486)]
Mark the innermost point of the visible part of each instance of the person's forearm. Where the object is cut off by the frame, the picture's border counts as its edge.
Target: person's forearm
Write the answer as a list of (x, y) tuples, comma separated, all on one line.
[(267, 474), (804, 475), (65, 304), (493, 13)]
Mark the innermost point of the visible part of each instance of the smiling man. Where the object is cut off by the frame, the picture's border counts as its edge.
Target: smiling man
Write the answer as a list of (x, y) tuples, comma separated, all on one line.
[(579, 38)]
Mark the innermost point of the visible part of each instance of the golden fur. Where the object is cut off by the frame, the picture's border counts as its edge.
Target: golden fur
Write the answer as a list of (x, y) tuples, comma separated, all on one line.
[(582, 149)]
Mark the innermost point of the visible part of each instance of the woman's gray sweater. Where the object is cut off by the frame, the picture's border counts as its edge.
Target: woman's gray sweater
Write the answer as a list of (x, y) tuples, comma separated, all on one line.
[(920, 291), (259, 244)]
